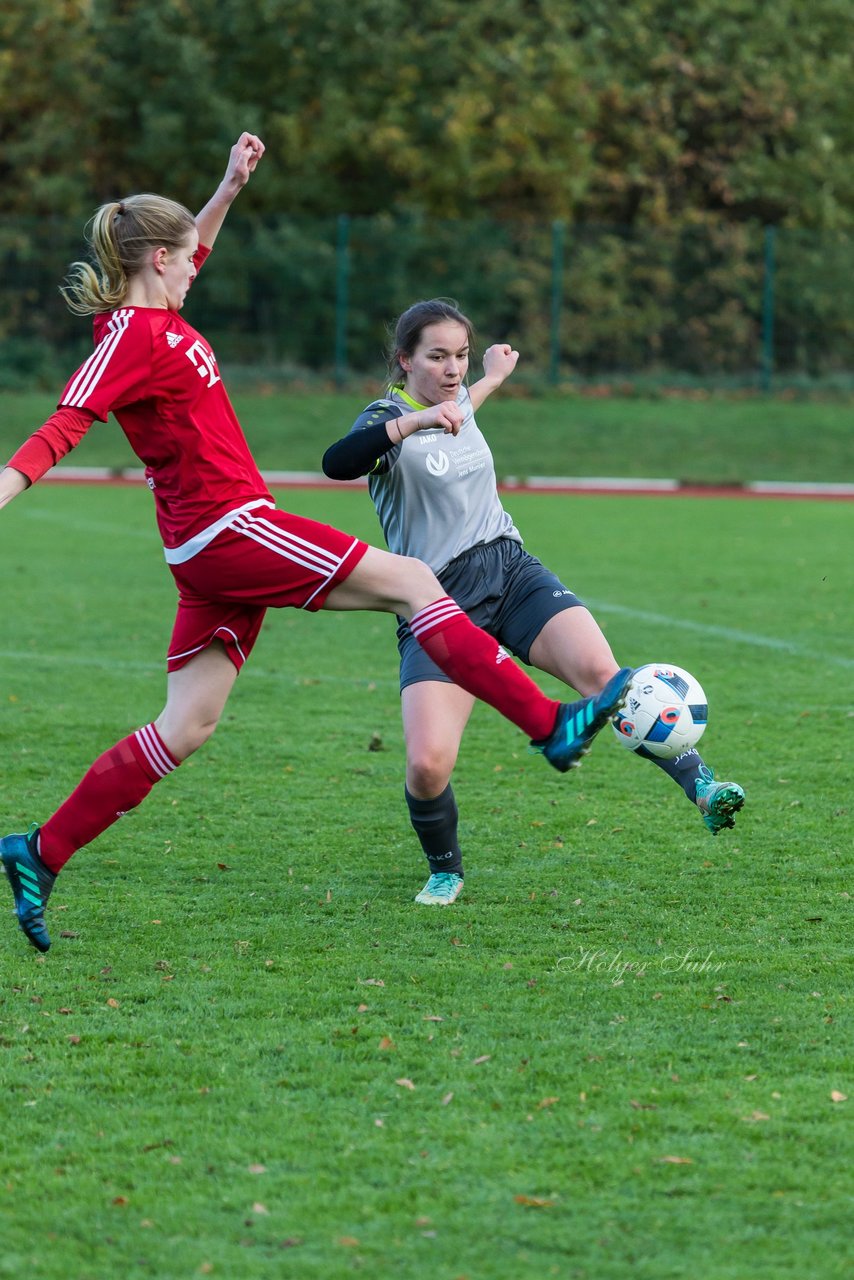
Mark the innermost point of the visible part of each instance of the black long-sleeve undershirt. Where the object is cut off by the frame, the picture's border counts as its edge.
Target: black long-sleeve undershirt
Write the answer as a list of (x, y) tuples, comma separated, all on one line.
[(358, 453)]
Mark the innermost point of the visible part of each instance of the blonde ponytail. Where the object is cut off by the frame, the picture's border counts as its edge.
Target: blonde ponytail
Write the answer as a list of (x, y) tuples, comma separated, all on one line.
[(121, 234)]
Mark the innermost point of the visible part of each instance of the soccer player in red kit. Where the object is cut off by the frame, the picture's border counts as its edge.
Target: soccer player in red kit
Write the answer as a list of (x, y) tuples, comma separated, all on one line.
[(232, 552)]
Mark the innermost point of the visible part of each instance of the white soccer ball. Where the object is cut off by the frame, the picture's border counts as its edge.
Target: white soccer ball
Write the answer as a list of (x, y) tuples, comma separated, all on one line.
[(664, 714)]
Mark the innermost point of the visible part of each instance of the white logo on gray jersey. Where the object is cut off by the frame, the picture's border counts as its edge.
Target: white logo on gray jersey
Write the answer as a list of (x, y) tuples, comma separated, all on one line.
[(437, 463)]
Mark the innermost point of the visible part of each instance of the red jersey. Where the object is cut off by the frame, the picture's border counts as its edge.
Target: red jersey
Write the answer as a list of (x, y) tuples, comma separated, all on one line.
[(160, 380)]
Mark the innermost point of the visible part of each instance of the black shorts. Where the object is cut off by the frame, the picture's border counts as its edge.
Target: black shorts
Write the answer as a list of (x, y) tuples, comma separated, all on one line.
[(505, 590)]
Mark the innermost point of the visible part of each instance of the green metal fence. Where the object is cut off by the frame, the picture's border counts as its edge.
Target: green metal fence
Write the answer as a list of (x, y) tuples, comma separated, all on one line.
[(726, 305)]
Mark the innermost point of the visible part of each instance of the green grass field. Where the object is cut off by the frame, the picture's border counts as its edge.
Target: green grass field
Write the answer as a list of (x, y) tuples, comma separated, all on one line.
[(624, 1052), (712, 440)]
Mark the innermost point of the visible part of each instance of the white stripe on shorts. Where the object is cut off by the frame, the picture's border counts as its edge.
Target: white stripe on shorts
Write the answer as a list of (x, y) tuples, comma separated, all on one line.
[(289, 545), (186, 551), (294, 548), (173, 657)]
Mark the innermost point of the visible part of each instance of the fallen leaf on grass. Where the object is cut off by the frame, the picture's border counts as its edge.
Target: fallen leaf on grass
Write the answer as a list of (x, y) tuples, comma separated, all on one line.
[(755, 1117), (432, 1017), (405, 1083), (371, 982), (386, 1043), (260, 1208), (533, 1202), (447, 1098), (674, 1160), (484, 1057), (836, 1096), (547, 1102), (114, 1004), (69, 933), (73, 1039), (349, 1242), (257, 1168), (643, 1106)]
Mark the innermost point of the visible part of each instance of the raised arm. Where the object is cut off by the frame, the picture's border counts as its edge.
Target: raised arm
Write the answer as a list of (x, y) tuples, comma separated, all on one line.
[(242, 162), (499, 361)]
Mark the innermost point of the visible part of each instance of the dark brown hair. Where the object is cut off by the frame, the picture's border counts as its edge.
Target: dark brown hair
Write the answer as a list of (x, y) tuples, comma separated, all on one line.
[(411, 324)]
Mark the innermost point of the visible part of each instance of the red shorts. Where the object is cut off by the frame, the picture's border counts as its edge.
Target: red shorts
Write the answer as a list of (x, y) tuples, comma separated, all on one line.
[(265, 559)]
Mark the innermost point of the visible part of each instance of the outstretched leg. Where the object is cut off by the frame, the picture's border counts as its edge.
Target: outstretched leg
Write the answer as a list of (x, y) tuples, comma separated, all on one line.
[(718, 802), (473, 659), (115, 783), (572, 647)]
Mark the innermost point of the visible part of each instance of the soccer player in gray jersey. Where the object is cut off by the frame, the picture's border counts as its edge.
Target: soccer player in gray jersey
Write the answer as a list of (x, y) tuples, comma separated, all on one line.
[(432, 479)]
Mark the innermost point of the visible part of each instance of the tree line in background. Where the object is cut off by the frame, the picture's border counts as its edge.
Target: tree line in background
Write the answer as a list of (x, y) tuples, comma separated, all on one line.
[(649, 112), (672, 125)]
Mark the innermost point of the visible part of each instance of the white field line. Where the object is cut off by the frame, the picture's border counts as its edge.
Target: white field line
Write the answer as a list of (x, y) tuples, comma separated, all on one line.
[(729, 634), (108, 667), (91, 526)]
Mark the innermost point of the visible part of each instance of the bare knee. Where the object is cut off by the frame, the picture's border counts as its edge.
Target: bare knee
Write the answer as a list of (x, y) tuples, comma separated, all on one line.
[(183, 737), (428, 771), (421, 585)]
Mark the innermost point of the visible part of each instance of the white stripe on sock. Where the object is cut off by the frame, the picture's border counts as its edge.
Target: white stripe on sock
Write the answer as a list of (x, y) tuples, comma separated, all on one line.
[(154, 750), (433, 615)]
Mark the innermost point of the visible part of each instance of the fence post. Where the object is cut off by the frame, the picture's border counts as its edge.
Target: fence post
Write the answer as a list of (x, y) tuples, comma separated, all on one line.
[(768, 307), (557, 299), (342, 282)]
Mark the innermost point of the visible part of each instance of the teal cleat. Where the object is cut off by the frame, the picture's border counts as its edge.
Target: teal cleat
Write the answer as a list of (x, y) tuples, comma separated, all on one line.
[(717, 801), (31, 883), (443, 888), (578, 723)]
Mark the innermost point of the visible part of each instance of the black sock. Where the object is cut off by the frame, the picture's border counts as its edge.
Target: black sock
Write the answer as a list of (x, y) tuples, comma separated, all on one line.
[(684, 770), (435, 823)]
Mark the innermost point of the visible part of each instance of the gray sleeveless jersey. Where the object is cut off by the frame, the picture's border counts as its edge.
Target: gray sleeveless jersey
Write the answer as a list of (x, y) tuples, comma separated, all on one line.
[(435, 494)]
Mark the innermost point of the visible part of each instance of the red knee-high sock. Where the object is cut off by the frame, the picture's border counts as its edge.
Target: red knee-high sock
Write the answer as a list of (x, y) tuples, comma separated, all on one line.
[(119, 780), (476, 662)]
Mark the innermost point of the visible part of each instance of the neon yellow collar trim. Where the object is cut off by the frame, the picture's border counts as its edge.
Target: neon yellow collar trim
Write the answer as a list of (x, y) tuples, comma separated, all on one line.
[(413, 404)]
